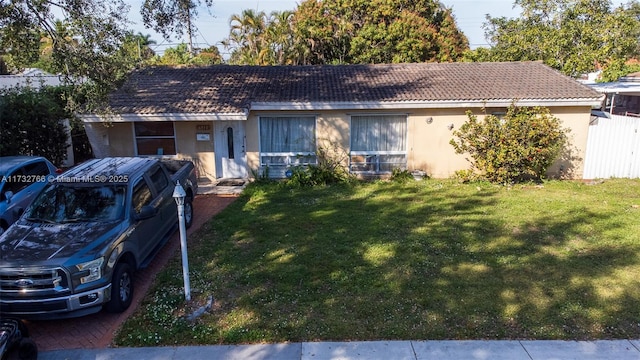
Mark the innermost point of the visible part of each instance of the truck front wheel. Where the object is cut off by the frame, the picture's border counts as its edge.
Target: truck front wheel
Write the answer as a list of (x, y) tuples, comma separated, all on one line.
[(121, 288)]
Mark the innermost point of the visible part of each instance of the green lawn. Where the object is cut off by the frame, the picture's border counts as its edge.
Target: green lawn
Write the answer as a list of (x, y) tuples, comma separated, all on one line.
[(423, 260)]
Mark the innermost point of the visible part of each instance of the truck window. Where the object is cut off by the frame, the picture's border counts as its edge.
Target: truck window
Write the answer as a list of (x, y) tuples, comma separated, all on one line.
[(62, 203), (159, 179), (141, 195), (26, 176), (36, 168)]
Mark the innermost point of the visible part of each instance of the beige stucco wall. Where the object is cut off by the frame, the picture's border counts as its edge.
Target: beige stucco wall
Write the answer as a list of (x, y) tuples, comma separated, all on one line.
[(121, 142), (198, 151), (428, 147), (428, 135), (571, 163), (251, 132), (429, 132)]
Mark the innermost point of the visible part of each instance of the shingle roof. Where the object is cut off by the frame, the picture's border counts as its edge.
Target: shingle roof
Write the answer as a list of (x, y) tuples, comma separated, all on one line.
[(229, 89)]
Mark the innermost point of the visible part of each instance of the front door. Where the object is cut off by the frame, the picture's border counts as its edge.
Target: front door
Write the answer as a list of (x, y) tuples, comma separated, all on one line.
[(231, 159)]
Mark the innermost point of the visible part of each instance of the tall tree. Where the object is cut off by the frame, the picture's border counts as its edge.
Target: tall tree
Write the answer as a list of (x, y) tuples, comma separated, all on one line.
[(283, 47), (258, 39), (573, 36), (99, 25), (180, 55), (140, 45), (82, 44), (377, 31), (247, 38), (169, 17), (209, 56)]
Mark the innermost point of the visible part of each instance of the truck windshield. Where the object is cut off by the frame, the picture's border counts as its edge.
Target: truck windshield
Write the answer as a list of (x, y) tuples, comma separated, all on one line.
[(64, 203)]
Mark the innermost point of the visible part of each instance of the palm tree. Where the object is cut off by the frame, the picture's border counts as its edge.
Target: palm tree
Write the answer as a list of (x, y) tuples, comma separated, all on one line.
[(144, 43), (281, 39), (247, 35)]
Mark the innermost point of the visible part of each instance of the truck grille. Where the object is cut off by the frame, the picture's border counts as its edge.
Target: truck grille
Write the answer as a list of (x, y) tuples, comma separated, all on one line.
[(33, 280)]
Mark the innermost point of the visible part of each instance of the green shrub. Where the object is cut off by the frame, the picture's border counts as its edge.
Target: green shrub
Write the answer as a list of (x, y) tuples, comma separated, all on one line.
[(401, 176), (261, 177), (316, 175), (521, 146), (31, 123), (329, 169), (300, 176), (466, 175)]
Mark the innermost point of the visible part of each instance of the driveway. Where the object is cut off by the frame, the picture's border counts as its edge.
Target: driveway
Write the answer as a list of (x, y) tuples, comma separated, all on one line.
[(96, 331)]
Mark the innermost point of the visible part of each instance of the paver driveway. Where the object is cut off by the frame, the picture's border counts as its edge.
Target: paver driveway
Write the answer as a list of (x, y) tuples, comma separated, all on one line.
[(96, 331)]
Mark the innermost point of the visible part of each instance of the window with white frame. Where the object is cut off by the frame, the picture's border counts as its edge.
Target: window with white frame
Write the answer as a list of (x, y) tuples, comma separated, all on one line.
[(378, 143), (155, 138), (287, 140)]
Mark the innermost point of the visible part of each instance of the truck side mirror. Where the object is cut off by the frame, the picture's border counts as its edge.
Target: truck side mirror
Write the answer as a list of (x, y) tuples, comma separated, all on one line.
[(146, 212), (8, 195)]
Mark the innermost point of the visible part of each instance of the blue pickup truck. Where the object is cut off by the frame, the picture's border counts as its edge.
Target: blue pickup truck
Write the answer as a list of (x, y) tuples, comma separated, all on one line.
[(76, 247)]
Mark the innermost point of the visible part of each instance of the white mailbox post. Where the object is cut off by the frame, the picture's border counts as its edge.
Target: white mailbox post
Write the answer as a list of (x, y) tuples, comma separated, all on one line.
[(179, 195)]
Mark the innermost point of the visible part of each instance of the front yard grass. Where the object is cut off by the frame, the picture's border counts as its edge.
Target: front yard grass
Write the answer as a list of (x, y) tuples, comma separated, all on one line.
[(431, 259)]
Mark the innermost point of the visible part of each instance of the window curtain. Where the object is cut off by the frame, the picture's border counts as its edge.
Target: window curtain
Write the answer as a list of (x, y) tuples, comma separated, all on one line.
[(287, 134), (379, 133)]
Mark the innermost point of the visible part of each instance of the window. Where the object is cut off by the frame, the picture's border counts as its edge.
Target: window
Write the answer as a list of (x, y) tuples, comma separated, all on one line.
[(62, 203), (155, 138), (286, 141), (378, 143), (230, 149), (159, 179), (39, 168), (141, 196), (24, 176)]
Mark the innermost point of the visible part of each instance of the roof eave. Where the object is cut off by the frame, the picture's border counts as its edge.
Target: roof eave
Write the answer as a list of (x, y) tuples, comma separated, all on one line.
[(346, 105), (448, 104), (132, 117)]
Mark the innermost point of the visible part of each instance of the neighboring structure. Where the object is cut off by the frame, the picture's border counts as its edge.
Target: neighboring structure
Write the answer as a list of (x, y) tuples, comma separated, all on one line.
[(233, 121), (614, 137), (622, 96), (31, 77)]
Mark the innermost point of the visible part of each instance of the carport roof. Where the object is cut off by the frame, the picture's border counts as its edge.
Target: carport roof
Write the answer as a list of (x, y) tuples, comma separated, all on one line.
[(229, 89)]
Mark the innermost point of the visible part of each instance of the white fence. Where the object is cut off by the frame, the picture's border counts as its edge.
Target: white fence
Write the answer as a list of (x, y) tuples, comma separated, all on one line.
[(613, 148)]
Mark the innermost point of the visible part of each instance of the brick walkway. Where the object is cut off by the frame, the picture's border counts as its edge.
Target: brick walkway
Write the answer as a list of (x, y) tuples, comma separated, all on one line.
[(96, 331)]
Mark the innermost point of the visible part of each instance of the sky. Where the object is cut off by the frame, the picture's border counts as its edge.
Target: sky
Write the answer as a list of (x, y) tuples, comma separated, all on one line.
[(213, 24)]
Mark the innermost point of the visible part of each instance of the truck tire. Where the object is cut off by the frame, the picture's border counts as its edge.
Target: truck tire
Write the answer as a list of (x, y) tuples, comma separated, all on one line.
[(27, 350), (121, 288), (188, 212)]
